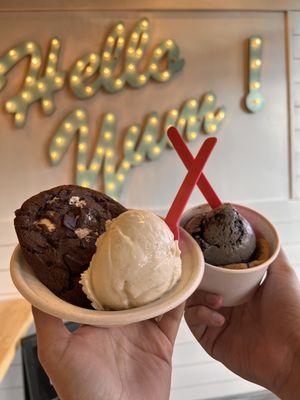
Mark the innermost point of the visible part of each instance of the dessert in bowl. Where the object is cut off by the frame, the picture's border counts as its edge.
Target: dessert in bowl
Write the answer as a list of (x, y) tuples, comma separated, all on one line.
[(80, 249), (238, 244)]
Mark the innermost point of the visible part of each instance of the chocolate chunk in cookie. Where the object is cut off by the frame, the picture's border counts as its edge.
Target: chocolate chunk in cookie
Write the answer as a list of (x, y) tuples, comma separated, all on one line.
[(57, 230)]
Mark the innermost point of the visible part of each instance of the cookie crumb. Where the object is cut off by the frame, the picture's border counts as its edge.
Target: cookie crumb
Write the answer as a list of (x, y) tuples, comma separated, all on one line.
[(82, 232), (52, 200), (263, 252), (75, 201), (49, 225), (236, 266)]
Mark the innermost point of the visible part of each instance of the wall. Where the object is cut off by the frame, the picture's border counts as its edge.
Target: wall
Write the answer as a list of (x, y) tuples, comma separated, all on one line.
[(271, 138)]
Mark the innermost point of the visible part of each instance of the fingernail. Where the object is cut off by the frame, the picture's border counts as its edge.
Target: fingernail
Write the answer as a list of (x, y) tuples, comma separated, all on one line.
[(218, 319), (212, 299)]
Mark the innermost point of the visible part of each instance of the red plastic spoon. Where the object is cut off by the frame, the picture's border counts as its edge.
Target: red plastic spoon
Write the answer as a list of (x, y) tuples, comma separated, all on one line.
[(187, 186), (187, 159)]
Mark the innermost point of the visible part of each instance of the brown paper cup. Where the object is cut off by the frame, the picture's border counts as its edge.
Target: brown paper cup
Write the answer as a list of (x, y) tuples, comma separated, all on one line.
[(236, 286)]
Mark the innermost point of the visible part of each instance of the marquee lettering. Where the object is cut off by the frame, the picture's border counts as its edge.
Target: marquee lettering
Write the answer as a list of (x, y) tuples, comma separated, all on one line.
[(93, 71), (141, 141), (37, 86)]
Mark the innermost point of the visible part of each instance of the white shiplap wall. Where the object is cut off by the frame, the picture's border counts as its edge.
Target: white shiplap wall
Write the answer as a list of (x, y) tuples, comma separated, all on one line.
[(196, 376), (295, 77)]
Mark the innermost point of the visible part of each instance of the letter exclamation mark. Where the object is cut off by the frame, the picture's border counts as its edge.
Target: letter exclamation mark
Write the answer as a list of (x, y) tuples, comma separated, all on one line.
[(254, 99)]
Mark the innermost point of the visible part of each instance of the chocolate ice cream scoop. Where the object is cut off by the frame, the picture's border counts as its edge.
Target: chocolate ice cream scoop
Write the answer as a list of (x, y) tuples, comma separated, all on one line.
[(224, 236)]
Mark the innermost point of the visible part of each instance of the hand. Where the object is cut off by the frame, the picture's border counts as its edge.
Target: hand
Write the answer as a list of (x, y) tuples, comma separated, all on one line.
[(259, 340), (129, 363)]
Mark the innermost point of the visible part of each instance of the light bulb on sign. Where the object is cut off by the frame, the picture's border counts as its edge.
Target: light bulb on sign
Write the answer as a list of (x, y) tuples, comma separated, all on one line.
[(254, 99)]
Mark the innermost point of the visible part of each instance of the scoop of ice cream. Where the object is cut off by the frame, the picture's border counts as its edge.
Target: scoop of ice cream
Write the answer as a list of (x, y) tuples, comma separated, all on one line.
[(224, 236), (136, 262)]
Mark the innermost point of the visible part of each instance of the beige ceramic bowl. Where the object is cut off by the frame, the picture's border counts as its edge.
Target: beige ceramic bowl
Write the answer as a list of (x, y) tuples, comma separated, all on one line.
[(41, 297), (238, 285)]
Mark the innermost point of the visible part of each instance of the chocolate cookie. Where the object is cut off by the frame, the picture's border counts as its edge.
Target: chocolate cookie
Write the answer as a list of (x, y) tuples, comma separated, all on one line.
[(57, 230)]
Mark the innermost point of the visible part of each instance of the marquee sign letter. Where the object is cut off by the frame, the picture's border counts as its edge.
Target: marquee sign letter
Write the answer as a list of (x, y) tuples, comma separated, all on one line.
[(34, 88)]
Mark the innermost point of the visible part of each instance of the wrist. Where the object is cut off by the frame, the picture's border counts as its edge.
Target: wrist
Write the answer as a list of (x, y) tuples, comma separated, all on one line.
[(287, 386)]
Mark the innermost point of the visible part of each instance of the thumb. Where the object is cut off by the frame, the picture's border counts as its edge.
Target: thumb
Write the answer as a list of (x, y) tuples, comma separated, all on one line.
[(281, 265), (282, 277), (169, 322)]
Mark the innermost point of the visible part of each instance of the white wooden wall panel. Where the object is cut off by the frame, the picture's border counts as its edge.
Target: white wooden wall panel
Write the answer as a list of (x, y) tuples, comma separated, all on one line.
[(215, 389), (297, 71), (297, 186), (296, 46), (5, 253), (187, 354), (13, 378), (12, 394), (195, 375), (296, 92), (11, 388), (295, 80), (297, 139)]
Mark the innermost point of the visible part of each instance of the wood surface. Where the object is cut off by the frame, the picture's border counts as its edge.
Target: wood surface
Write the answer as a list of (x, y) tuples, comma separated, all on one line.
[(15, 318)]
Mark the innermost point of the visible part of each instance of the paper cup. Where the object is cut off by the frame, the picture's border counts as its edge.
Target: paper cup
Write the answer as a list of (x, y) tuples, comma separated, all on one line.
[(42, 298), (236, 286)]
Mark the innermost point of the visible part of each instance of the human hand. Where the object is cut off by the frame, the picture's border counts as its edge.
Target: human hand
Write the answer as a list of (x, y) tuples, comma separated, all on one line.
[(259, 340), (130, 363)]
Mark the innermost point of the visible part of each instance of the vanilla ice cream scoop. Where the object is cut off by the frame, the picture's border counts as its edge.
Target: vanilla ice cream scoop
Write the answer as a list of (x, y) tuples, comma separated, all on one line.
[(136, 262)]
